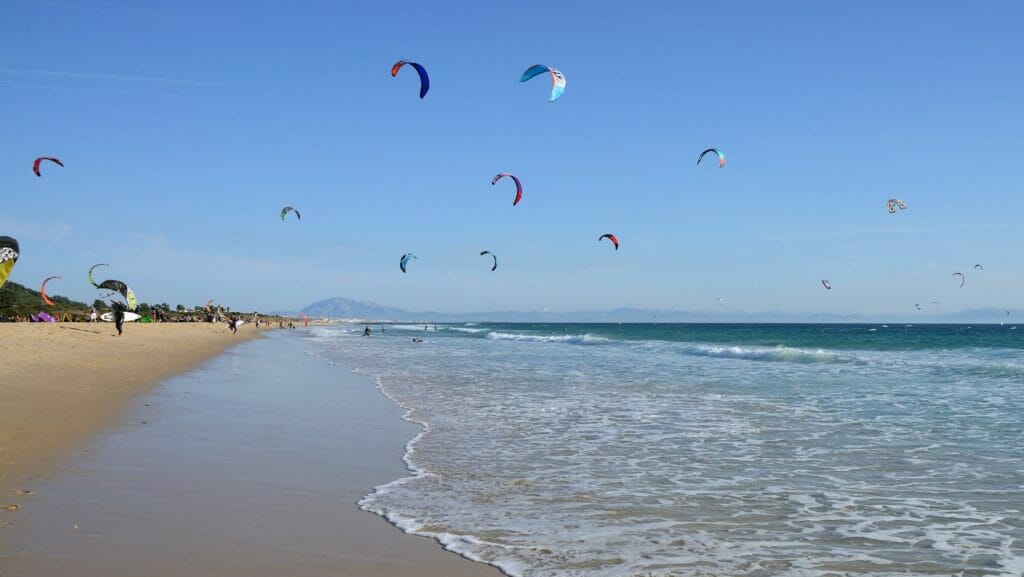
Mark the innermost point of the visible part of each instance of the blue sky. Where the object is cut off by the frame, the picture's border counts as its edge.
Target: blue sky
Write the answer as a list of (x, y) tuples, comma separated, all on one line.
[(186, 126)]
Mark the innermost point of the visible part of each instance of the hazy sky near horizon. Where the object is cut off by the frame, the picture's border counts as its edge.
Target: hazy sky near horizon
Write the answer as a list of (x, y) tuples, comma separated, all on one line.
[(186, 126)]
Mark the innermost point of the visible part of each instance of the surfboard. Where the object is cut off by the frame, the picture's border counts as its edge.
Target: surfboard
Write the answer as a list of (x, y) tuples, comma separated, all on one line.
[(239, 323), (128, 317)]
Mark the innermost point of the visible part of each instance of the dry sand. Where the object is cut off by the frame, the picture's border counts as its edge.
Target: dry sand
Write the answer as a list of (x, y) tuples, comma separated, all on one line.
[(62, 382)]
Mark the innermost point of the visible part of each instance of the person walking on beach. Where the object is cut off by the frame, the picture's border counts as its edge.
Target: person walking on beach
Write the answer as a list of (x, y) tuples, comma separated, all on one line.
[(92, 315), (119, 317), (233, 324)]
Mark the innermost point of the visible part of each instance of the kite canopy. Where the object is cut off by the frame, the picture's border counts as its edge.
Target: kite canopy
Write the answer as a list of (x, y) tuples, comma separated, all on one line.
[(35, 165), (721, 157), (122, 289), (610, 237), (519, 185), (208, 303), (557, 79), (825, 283), (495, 267), (917, 306), (42, 289), (979, 267), (287, 209), (93, 267), (424, 79), (8, 256), (963, 278), (405, 260), (893, 203)]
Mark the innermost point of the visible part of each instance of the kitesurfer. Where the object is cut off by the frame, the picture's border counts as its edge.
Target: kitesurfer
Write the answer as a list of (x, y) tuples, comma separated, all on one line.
[(367, 331), (118, 317)]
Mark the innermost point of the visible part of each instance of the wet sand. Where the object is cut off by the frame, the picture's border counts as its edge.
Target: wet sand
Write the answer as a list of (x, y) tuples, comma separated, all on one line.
[(249, 465), (60, 383)]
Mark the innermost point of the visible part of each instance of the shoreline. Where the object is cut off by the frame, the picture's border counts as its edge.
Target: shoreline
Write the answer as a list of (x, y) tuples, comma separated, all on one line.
[(249, 464), (64, 383)]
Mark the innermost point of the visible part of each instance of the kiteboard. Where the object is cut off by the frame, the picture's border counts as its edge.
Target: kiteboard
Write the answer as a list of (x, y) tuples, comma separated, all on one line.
[(239, 323), (128, 317)]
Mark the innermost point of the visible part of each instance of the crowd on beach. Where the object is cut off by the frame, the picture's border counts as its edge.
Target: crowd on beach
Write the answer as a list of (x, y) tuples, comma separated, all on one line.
[(233, 321)]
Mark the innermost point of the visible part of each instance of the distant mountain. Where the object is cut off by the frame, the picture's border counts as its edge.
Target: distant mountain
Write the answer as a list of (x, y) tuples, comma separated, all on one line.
[(345, 308)]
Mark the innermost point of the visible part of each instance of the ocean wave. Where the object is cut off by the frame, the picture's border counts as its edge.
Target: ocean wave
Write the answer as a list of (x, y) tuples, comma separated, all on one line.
[(779, 354), (584, 339), (430, 327), (465, 330)]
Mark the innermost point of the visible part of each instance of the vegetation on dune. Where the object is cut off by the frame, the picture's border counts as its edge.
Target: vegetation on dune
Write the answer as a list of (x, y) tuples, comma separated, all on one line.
[(17, 302), (20, 301)]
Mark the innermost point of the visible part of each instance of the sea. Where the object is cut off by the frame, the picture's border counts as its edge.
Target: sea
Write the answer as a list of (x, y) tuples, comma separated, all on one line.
[(705, 449)]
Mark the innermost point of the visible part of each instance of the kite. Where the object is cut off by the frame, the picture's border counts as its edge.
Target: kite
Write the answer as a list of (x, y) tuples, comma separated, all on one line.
[(963, 279), (610, 237), (35, 165), (405, 260), (721, 157), (893, 203), (917, 306), (826, 284), (42, 289), (720, 300), (287, 209), (424, 79), (121, 288), (557, 79), (495, 267), (519, 185), (8, 256), (208, 303), (92, 282), (979, 267)]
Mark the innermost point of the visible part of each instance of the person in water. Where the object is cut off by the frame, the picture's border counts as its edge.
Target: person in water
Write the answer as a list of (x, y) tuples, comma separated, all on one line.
[(367, 331)]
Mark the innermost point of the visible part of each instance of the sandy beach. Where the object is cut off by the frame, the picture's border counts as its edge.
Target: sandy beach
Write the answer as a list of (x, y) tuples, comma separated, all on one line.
[(61, 383), (249, 463)]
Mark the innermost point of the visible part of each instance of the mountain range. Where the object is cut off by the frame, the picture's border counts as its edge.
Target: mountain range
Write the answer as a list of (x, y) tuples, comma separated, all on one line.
[(345, 308)]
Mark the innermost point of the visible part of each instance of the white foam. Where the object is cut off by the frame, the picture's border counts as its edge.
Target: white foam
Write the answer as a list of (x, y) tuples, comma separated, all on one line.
[(584, 339), (786, 354)]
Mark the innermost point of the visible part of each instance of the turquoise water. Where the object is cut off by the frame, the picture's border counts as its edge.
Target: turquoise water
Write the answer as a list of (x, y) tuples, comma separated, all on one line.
[(662, 450)]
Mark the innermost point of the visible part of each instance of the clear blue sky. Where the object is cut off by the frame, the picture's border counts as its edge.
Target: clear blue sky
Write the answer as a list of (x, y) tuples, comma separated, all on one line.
[(186, 126)]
